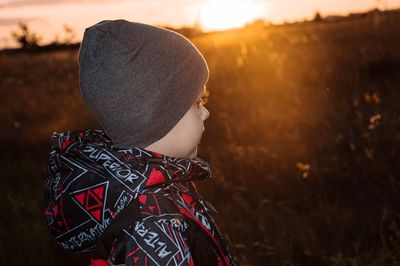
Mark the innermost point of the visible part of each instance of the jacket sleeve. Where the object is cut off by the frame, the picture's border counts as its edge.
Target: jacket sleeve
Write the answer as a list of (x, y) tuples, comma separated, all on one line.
[(157, 240)]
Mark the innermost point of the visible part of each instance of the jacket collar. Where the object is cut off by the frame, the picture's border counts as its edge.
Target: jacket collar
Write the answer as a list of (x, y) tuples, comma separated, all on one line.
[(93, 142)]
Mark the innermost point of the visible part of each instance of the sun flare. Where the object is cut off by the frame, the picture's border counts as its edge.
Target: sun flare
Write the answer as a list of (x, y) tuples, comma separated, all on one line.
[(225, 14)]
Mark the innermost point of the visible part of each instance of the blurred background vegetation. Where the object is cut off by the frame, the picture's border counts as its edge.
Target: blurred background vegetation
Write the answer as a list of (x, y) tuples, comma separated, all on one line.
[(303, 138)]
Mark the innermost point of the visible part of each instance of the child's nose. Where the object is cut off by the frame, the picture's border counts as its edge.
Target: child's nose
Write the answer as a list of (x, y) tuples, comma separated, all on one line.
[(204, 113)]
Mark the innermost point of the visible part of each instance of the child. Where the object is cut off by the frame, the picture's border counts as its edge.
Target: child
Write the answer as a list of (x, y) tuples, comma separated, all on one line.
[(126, 193)]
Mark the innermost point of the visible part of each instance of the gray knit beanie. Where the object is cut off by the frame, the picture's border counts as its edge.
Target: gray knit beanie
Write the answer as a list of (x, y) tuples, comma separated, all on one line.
[(138, 80)]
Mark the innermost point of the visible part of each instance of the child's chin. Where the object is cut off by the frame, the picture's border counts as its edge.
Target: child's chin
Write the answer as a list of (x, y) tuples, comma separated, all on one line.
[(193, 154)]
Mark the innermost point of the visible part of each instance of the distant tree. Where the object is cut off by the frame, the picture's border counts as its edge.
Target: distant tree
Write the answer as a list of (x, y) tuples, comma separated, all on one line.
[(188, 32), (257, 23), (383, 3), (317, 17), (25, 37), (197, 26), (57, 40), (69, 34)]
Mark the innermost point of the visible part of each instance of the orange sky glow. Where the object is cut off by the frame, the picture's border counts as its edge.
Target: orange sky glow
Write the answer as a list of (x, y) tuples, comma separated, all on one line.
[(48, 17)]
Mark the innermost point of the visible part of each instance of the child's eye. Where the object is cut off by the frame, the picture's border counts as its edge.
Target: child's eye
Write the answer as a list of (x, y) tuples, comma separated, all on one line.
[(203, 100)]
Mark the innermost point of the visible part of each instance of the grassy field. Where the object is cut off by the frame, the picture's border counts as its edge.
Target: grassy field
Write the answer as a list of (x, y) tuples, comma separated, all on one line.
[(303, 137)]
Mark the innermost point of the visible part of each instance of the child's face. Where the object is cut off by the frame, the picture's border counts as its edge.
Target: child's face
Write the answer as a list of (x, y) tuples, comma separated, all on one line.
[(182, 140)]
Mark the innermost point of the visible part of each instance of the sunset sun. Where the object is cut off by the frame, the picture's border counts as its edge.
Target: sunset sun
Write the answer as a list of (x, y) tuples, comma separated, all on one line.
[(225, 14)]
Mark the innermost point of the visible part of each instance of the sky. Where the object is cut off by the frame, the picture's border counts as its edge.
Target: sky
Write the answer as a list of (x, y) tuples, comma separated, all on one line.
[(47, 18)]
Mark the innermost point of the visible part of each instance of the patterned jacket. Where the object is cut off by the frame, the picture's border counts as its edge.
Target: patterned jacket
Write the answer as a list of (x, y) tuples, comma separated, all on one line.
[(129, 206)]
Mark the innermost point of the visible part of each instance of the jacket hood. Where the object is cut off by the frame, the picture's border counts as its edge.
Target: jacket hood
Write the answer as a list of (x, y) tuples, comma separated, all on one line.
[(90, 182)]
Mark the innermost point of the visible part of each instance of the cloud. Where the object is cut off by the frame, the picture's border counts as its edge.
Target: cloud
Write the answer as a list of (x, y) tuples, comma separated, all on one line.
[(19, 3), (16, 20)]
